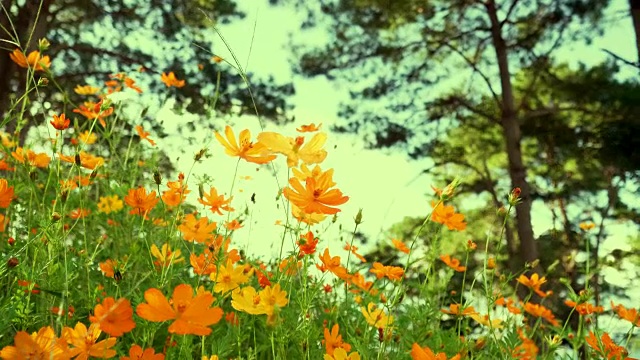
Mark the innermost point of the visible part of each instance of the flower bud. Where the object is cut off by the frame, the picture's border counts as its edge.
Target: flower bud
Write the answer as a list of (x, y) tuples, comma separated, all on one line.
[(514, 196), (358, 218), (157, 178), (12, 262), (43, 44)]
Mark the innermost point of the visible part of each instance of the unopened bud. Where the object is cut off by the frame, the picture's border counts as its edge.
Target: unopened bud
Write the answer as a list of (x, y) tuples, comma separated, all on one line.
[(11, 241), (56, 216), (43, 81), (200, 154), (514, 197), (43, 44), (157, 177), (12, 262), (105, 105), (358, 218), (201, 190), (534, 264), (78, 160)]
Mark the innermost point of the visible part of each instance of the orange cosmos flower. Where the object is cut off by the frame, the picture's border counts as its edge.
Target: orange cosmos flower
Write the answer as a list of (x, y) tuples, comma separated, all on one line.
[(130, 83), (41, 345), (203, 264), (315, 196), (311, 219), (92, 111), (541, 312), (228, 277), (40, 160), (34, 288), (216, 202), (631, 315), (447, 216), (391, 272), (170, 80), (453, 263), (60, 122), (332, 264), (457, 310), (190, 315), (109, 268), (398, 244), (510, 304), (177, 192), (584, 308), (605, 347), (136, 353), (341, 354), (586, 226), (425, 353), (354, 250), (114, 317), (295, 149), (307, 243), (534, 283), (527, 350), (144, 135), (6, 194), (34, 60), (85, 90), (359, 282), (166, 257), (199, 230), (289, 266), (140, 201), (60, 312), (376, 317), (251, 152), (309, 128), (333, 340), (233, 224), (79, 213), (87, 160), (85, 342), (4, 221)]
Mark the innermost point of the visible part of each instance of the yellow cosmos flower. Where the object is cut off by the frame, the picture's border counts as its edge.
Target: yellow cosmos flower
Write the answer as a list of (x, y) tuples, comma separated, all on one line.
[(109, 204), (376, 317), (252, 152), (86, 90), (296, 149), (87, 137), (228, 277)]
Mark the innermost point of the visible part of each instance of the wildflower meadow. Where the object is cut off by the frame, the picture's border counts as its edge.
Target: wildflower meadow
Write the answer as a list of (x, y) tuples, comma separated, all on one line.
[(107, 253)]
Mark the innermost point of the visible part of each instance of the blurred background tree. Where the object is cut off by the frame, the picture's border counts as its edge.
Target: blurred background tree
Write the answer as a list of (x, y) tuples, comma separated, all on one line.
[(93, 39)]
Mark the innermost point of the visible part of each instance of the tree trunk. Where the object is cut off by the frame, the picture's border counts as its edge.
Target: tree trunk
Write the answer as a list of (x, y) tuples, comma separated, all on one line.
[(634, 8), (512, 135)]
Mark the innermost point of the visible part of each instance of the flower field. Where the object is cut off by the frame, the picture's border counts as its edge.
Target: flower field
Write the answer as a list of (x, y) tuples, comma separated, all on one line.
[(108, 255)]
